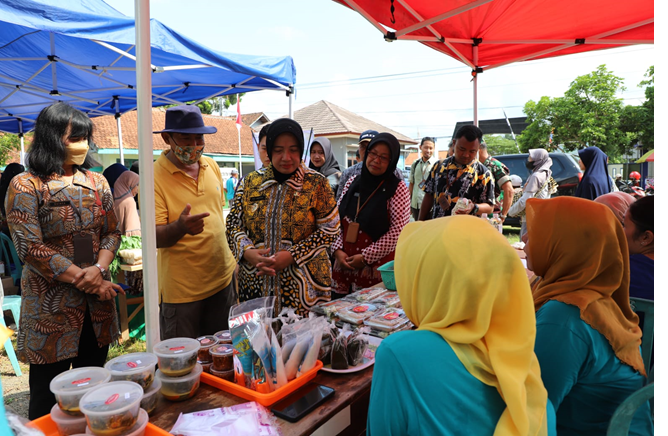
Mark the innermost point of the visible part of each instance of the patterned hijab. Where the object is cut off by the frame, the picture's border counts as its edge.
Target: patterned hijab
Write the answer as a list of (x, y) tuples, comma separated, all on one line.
[(579, 249), (541, 170), (488, 319)]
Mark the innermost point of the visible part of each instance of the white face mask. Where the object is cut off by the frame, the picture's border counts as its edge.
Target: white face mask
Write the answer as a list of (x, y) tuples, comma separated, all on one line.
[(76, 152)]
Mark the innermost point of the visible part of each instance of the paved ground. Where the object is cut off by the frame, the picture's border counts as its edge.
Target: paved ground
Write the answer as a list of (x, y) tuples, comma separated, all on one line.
[(14, 389)]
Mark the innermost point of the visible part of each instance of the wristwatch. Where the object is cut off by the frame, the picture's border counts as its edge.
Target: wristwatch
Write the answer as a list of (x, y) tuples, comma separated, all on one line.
[(101, 268), (503, 217), (474, 211)]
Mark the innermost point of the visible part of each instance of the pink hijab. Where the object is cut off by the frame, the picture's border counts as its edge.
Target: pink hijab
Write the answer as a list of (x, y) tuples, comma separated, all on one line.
[(619, 202)]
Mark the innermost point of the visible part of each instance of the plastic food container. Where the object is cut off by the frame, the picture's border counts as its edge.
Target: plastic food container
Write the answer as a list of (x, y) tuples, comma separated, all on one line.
[(367, 294), (225, 375), (223, 357), (150, 399), (70, 386), (206, 367), (205, 344), (137, 430), (180, 388), (356, 314), (135, 367), (177, 356), (224, 337), (67, 424), (112, 409), (388, 320), (331, 307)]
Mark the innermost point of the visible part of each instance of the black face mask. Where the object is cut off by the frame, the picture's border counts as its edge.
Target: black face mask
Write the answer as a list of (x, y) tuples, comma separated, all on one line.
[(529, 165)]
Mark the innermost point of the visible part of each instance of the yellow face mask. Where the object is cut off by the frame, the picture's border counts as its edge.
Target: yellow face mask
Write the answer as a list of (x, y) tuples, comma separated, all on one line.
[(76, 152)]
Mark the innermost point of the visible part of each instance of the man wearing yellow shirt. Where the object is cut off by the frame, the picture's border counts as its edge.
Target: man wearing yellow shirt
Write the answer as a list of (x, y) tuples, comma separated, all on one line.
[(195, 264)]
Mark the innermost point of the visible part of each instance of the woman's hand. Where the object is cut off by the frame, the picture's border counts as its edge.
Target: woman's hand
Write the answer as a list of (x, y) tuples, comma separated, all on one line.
[(277, 262), (106, 290), (257, 257), (88, 278), (342, 258), (356, 261)]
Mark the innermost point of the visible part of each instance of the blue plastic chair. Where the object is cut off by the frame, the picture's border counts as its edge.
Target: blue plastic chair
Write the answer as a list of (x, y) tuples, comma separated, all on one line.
[(11, 258), (9, 349), (621, 419), (646, 307), (13, 303)]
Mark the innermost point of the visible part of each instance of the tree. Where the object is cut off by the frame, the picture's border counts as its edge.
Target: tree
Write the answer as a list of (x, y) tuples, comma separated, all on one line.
[(8, 143), (500, 144), (647, 133), (216, 104), (588, 114)]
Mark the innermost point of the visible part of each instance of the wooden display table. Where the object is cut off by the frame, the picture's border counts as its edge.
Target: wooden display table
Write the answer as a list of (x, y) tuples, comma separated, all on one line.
[(343, 414), (123, 303)]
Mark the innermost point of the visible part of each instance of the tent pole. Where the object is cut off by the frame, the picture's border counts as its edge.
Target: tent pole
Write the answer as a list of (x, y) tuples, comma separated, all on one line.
[(119, 130), (475, 85), (145, 141), (23, 150), (290, 114)]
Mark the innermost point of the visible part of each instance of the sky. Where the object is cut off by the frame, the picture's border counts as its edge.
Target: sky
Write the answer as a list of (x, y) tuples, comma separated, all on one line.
[(333, 47)]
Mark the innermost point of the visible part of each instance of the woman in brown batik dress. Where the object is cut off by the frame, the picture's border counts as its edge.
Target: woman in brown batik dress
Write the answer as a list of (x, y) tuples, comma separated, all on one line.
[(61, 218)]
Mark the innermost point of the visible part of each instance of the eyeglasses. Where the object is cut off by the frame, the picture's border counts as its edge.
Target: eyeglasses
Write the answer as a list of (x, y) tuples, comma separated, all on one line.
[(375, 156)]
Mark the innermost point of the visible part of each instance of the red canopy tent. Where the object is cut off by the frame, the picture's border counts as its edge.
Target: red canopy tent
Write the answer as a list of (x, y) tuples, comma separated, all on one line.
[(487, 34)]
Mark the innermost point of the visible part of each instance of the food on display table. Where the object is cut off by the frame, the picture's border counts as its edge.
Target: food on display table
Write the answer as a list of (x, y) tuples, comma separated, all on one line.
[(150, 399), (339, 357), (206, 367), (177, 356), (205, 344), (135, 367), (388, 320), (367, 294), (180, 388), (70, 386), (222, 356), (331, 307), (355, 348), (356, 314), (67, 424), (137, 430), (225, 375), (112, 409), (387, 299), (223, 337)]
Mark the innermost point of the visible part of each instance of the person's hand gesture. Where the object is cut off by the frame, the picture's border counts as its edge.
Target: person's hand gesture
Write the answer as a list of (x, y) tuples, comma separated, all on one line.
[(342, 258), (256, 257), (192, 224), (88, 278), (277, 262), (356, 261)]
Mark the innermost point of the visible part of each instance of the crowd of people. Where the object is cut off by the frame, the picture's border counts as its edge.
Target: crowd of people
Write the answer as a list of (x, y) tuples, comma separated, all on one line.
[(558, 354)]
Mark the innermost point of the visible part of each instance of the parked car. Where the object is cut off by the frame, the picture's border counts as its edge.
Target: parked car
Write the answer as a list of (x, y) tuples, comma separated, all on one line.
[(565, 171)]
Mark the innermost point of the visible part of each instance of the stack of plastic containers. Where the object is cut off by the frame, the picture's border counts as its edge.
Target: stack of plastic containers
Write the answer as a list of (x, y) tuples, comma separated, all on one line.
[(70, 386), (203, 356), (138, 368), (179, 371), (112, 409)]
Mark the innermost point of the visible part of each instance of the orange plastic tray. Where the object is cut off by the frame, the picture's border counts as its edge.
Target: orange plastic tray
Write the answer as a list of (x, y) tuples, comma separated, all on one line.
[(265, 399), (49, 428)]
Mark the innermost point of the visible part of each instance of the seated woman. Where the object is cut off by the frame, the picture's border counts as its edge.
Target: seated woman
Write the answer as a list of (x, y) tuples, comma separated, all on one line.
[(587, 336), (595, 180), (282, 220), (374, 207), (639, 230), (323, 161), (469, 368)]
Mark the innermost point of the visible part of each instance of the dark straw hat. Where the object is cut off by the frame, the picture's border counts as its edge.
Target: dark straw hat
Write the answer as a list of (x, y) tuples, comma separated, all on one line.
[(185, 119)]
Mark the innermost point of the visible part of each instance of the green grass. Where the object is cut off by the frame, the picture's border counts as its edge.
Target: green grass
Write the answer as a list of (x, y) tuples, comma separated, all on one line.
[(129, 346), (511, 233)]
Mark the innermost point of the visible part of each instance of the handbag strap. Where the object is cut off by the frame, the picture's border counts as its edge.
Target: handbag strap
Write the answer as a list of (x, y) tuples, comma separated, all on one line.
[(98, 202)]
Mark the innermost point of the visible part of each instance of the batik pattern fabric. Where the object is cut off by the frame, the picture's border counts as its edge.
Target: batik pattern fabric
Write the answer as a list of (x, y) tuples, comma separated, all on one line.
[(299, 216), (450, 181), (43, 217), (375, 253)]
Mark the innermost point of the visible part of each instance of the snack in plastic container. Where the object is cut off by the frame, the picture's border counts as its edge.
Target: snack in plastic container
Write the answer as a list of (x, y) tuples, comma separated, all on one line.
[(70, 386), (150, 399), (388, 299), (67, 424), (205, 344), (137, 430), (206, 367), (225, 375), (224, 337), (331, 307), (388, 320), (358, 313), (367, 294), (180, 388), (222, 355), (135, 367), (112, 409), (177, 356)]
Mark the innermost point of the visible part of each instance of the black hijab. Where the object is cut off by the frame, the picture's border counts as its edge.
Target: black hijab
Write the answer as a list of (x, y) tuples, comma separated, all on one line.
[(277, 128), (374, 218)]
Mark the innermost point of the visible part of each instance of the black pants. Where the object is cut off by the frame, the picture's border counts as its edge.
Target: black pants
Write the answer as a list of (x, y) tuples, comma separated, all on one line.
[(41, 398)]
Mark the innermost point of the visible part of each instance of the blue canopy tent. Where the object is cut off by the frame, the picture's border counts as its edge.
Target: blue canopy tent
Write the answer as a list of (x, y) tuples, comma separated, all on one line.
[(83, 52), (91, 56)]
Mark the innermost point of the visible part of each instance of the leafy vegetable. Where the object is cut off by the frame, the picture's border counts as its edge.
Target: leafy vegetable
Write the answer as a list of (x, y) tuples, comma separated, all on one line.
[(127, 242)]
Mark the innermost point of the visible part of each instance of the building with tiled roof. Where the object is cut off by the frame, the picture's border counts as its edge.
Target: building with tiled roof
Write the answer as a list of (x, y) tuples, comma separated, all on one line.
[(343, 128), (414, 155), (222, 146)]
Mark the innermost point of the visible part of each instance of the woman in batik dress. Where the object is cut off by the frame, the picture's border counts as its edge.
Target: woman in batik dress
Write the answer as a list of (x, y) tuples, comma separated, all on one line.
[(283, 218), (61, 218)]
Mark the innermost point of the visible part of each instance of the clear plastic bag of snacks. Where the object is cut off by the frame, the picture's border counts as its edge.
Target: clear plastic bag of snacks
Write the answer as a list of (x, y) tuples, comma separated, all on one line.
[(331, 307), (357, 313), (387, 320), (367, 294), (388, 299)]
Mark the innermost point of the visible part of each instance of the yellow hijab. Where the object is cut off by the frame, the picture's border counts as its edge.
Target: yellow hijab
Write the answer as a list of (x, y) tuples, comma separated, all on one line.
[(579, 249), (459, 277)]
